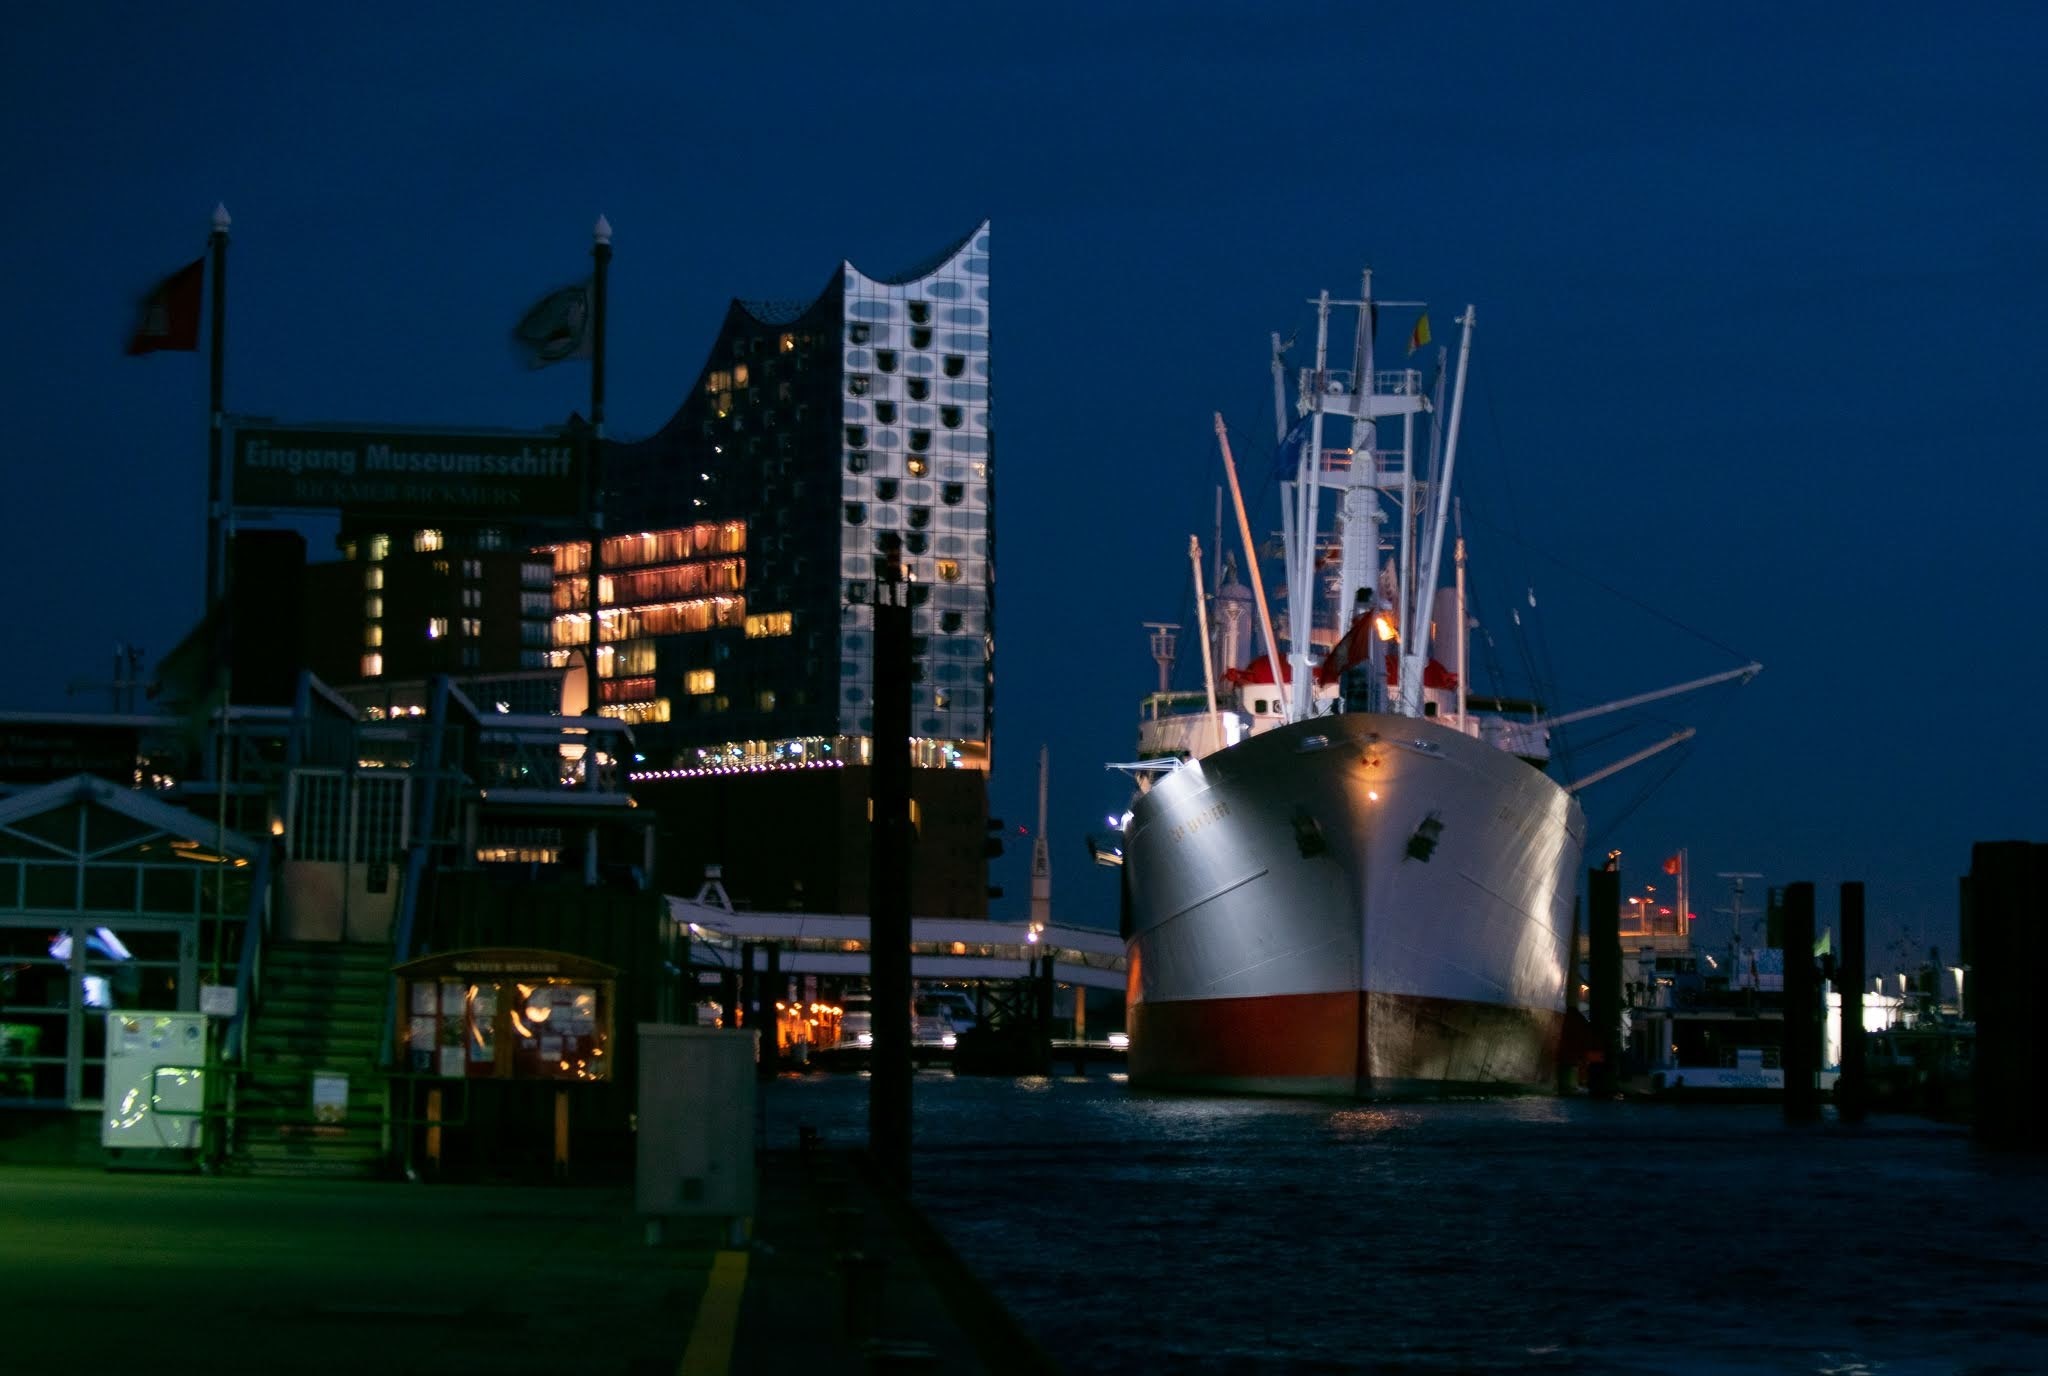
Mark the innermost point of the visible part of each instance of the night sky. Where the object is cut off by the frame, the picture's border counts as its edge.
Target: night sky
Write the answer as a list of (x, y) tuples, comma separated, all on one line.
[(1758, 290)]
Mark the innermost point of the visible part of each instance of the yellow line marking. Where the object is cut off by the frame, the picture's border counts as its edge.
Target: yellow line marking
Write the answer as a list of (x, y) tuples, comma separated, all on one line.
[(718, 1313)]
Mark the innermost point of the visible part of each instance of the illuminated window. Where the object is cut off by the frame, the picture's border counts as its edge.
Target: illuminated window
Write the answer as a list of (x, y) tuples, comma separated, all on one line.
[(949, 570), (423, 540), (441, 568), (472, 597), (719, 381), (373, 665), (765, 699), (380, 545), (373, 607), (739, 375), (700, 681), (472, 568), (373, 578), (472, 626), (767, 624), (373, 634), (636, 712), (787, 343), (917, 466), (437, 626)]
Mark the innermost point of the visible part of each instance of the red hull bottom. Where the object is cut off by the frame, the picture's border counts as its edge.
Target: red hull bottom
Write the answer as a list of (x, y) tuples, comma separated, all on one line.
[(1352, 1044)]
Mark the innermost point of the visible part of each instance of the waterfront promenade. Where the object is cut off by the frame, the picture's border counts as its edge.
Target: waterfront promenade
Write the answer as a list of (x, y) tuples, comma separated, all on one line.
[(103, 1270)]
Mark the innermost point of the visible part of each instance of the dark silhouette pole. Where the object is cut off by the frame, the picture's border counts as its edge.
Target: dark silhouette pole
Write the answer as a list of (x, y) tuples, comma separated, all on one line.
[(216, 508), (1797, 1054), (1603, 962), (601, 261), (1852, 1090), (889, 832), (2009, 902)]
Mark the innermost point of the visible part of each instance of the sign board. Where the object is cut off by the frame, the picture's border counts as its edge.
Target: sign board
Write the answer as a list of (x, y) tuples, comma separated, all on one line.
[(34, 752), (218, 1000), (429, 474), (330, 1096)]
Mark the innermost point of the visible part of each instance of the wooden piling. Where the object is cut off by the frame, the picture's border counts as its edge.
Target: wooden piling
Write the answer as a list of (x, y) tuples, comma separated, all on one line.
[(1799, 1054), (2009, 904), (1852, 1089), (1603, 962)]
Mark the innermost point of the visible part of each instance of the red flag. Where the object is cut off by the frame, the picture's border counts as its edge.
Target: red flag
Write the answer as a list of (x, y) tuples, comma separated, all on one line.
[(1673, 865), (168, 317)]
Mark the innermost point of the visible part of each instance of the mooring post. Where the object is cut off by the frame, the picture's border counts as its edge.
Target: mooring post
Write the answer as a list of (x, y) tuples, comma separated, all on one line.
[(1797, 1054), (1852, 1090), (1567, 1071), (2009, 902), (1603, 962)]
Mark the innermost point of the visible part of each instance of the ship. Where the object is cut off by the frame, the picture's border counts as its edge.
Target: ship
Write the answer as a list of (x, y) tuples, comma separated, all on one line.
[(1343, 874)]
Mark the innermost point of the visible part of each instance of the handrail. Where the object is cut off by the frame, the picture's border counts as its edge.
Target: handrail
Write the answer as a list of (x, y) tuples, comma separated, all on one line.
[(417, 859), (256, 922), (255, 926)]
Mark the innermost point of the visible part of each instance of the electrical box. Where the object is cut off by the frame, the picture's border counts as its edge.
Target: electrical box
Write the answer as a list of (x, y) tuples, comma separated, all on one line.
[(156, 1082), (696, 1147)]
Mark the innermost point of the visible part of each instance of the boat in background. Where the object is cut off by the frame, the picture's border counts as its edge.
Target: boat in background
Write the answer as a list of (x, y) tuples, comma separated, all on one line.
[(1344, 874)]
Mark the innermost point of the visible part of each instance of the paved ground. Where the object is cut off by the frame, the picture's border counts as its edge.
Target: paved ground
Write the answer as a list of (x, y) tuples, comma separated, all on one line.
[(106, 1271), (174, 1273)]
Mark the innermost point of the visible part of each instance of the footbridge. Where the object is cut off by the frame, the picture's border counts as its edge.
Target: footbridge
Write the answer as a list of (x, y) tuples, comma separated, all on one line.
[(941, 948)]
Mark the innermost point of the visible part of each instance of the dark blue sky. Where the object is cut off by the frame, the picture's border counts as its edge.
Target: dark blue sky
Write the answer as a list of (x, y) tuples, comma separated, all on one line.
[(1759, 293)]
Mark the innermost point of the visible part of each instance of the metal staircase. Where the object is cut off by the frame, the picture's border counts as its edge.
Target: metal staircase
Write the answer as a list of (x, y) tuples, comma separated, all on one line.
[(321, 1012)]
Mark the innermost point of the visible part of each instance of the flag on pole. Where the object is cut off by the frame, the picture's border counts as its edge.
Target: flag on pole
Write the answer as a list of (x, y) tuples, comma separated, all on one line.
[(1673, 865), (1287, 458), (1419, 336), (168, 317), (556, 327)]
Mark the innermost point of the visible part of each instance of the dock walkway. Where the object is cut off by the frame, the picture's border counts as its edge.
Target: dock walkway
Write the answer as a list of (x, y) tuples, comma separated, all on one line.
[(217, 1274)]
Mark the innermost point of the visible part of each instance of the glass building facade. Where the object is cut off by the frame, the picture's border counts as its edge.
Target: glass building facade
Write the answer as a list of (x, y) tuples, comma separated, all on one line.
[(845, 438)]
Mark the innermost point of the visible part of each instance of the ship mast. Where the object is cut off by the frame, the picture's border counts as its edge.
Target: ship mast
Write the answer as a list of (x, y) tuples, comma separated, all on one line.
[(1364, 398)]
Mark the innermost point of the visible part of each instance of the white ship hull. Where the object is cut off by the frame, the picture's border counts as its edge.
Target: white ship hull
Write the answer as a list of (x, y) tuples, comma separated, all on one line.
[(1360, 905)]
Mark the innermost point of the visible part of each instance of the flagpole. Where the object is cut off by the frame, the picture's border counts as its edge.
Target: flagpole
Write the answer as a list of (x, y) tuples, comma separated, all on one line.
[(601, 255), (217, 243)]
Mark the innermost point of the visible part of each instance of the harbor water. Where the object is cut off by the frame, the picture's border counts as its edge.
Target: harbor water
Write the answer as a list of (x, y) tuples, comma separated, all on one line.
[(1137, 1232)]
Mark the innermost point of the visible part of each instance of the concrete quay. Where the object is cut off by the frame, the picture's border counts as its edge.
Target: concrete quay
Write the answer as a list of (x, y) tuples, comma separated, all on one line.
[(213, 1273)]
